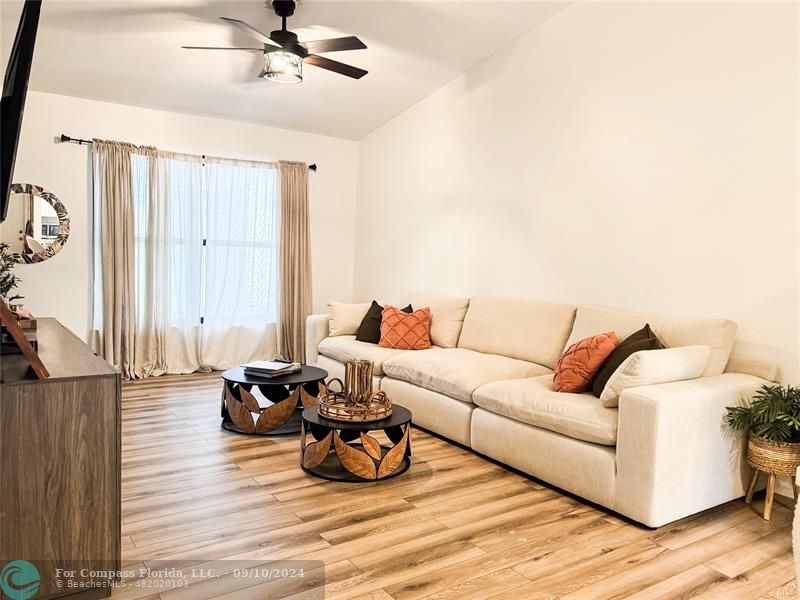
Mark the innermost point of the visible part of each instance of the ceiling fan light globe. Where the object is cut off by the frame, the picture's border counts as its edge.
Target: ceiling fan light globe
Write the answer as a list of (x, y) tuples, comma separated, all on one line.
[(283, 67)]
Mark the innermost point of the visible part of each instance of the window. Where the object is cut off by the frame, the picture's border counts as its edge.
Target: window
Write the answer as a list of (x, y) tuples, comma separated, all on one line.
[(241, 233)]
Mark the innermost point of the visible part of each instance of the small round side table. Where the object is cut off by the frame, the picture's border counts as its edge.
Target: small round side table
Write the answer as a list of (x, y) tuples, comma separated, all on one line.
[(287, 396), (345, 451)]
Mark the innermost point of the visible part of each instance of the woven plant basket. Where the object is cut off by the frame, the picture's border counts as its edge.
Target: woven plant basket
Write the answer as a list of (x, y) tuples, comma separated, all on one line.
[(780, 460)]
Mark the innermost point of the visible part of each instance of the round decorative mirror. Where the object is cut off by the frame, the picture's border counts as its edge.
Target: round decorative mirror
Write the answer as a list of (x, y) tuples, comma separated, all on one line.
[(37, 224)]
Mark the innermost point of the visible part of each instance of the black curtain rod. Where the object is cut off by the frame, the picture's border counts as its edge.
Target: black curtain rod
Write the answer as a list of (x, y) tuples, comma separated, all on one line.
[(65, 138)]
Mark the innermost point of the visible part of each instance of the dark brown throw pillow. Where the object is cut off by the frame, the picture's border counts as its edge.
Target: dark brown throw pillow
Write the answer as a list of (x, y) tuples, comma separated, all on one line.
[(644, 339), (370, 328)]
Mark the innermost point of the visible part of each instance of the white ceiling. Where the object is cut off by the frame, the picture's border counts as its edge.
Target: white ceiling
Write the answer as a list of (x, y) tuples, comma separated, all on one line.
[(128, 51)]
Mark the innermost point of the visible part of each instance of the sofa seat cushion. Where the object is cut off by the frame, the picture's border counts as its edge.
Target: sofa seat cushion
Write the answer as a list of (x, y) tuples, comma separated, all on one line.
[(457, 372), (534, 401), (347, 347)]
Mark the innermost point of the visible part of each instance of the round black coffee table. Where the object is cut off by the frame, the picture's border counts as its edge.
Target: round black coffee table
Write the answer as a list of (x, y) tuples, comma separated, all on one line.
[(286, 396), (344, 451)]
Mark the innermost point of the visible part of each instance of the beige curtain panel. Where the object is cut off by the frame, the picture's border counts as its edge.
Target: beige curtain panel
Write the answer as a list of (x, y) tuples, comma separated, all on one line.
[(113, 193), (295, 261)]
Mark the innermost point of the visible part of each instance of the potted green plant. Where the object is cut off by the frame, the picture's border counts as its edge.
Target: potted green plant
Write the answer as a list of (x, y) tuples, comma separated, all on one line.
[(773, 419), (8, 279)]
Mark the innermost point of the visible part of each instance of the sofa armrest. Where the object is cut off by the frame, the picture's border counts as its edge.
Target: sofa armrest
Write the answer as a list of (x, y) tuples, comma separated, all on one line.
[(316, 331), (675, 455)]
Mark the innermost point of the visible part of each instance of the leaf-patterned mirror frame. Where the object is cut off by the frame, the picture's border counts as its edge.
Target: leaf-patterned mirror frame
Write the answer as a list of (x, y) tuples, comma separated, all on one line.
[(63, 223)]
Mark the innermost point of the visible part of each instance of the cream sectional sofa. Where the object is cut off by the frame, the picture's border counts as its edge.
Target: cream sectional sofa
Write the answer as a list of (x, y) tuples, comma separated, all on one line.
[(662, 455)]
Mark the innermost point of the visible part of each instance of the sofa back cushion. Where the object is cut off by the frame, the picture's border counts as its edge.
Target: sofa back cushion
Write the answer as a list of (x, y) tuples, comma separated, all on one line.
[(447, 317), (718, 334), (522, 329)]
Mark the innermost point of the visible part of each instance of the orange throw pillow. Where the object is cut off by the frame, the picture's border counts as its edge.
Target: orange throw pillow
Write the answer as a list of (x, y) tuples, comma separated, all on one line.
[(406, 331), (578, 365)]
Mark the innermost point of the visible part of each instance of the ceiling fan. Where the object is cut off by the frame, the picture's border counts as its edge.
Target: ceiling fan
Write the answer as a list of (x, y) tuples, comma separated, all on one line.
[(284, 54)]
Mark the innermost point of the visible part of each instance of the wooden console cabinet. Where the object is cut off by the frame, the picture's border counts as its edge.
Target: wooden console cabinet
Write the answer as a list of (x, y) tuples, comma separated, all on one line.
[(60, 461)]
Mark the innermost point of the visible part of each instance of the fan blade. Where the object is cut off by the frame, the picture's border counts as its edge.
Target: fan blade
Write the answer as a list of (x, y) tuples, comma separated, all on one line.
[(218, 48), (251, 31), (334, 45), (335, 66)]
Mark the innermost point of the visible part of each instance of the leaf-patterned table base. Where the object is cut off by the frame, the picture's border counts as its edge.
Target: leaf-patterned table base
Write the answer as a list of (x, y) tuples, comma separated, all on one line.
[(247, 416), (329, 454)]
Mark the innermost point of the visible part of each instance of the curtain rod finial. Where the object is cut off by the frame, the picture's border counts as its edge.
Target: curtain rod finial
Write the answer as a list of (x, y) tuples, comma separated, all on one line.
[(313, 166)]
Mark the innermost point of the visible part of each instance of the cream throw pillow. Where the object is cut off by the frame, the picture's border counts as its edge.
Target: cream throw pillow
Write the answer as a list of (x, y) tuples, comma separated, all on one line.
[(345, 318), (650, 367)]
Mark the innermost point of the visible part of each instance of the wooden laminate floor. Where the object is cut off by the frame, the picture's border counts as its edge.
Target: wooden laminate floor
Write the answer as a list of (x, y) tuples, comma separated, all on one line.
[(454, 526)]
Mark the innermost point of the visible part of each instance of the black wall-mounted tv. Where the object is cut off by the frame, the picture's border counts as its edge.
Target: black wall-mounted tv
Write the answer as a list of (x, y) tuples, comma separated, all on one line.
[(15, 88)]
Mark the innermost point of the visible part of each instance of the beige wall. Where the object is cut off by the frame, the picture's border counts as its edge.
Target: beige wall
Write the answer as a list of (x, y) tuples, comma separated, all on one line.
[(61, 286), (641, 156)]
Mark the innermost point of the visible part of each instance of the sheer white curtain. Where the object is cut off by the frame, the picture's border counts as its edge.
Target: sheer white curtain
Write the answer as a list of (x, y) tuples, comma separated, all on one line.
[(168, 239), (240, 291)]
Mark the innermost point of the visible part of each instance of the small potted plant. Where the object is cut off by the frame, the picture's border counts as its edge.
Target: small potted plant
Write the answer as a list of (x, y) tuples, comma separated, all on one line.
[(773, 420), (8, 279)]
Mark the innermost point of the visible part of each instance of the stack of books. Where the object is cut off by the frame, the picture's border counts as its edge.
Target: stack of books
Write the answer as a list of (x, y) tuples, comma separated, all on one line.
[(270, 368)]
